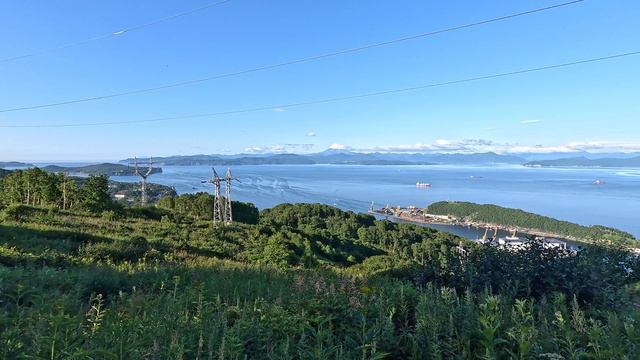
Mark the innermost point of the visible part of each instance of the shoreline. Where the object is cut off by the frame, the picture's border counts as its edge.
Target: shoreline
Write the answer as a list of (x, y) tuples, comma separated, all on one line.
[(431, 219)]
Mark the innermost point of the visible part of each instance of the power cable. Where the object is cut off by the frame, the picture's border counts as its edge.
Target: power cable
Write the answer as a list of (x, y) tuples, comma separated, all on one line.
[(287, 63), (114, 33), (335, 99)]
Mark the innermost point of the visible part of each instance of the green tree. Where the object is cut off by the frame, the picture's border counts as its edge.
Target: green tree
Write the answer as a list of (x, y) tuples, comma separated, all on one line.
[(167, 202), (95, 194)]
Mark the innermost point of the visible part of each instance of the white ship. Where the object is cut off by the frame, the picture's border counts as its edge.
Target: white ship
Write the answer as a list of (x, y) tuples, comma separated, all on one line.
[(513, 240)]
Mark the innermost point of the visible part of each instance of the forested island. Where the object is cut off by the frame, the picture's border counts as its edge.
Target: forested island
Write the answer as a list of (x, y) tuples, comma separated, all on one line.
[(107, 169), (14, 164), (586, 162), (516, 218), (103, 279)]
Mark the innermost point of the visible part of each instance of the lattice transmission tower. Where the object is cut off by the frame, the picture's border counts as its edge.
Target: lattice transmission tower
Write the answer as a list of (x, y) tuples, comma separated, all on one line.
[(217, 198), (228, 214), (143, 179)]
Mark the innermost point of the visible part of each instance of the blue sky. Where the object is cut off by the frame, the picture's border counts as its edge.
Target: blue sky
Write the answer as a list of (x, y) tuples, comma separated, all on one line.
[(592, 106)]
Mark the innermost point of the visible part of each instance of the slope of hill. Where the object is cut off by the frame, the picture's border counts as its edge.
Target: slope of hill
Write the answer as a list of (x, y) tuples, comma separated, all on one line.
[(502, 216), (306, 282)]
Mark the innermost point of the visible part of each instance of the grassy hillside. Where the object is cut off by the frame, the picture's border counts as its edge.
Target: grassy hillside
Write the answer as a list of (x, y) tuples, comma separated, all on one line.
[(299, 282), (518, 218)]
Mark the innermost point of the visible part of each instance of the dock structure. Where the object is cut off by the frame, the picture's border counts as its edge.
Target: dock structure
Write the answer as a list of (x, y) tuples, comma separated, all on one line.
[(421, 216)]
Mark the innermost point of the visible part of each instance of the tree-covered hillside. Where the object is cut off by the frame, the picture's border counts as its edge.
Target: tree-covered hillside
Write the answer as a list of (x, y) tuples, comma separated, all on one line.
[(35, 186), (305, 281), (298, 281), (586, 162), (518, 218), (4, 173)]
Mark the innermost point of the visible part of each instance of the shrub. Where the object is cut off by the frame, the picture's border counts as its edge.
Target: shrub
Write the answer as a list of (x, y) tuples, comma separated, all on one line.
[(148, 213), (117, 251), (108, 215), (104, 281), (16, 212)]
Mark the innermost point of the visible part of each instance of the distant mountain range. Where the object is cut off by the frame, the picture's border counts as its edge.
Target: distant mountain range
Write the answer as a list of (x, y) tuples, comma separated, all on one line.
[(347, 157), (338, 157), (586, 162)]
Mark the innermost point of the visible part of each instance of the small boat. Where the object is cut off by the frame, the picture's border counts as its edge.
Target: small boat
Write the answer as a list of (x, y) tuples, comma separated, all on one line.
[(513, 240), (422, 185), (551, 243), (598, 182)]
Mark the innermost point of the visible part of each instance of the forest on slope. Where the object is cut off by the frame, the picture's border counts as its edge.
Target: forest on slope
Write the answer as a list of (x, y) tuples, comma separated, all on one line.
[(35, 186), (586, 162), (493, 214)]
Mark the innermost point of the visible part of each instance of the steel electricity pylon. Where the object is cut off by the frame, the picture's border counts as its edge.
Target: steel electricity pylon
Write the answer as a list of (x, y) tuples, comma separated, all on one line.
[(143, 176), (228, 214), (217, 198)]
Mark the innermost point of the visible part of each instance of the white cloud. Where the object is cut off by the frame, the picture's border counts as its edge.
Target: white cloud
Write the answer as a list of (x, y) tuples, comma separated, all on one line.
[(305, 147), (265, 149), (339, 147), (311, 134), (533, 121), (576, 146), (440, 145), (464, 146), (278, 148), (484, 145), (278, 110)]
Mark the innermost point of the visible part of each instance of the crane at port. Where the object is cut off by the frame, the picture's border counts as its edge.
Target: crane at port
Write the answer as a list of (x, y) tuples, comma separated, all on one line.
[(485, 237)]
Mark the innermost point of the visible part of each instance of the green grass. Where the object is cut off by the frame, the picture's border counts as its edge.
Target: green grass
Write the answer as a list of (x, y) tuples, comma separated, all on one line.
[(74, 285)]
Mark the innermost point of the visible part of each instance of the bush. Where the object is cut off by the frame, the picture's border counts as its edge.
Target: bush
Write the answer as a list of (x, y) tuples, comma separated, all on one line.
[(117, 251), (108, 215), (246, 213), (148, 213), (16, 212), (104, 281)]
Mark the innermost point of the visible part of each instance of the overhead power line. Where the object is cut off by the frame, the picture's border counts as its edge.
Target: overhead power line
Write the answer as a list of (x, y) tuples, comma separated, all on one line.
[(287, 63), (335, 99), (115, 33)]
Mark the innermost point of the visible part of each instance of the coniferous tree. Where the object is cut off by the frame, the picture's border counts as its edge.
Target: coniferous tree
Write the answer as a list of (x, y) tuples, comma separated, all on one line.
[(95, 194)]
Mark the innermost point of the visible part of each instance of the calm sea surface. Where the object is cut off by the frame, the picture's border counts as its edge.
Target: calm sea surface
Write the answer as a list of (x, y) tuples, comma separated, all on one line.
[(567, 194)]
